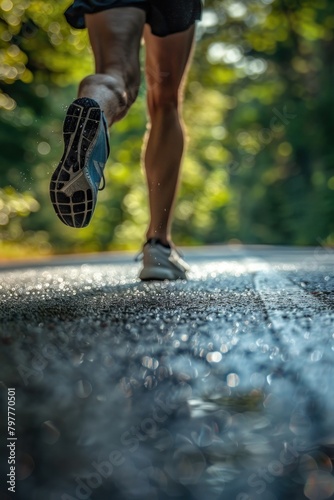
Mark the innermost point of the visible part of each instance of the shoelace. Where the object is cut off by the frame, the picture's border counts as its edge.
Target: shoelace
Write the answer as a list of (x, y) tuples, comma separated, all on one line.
[(100, 169), (104, 183)]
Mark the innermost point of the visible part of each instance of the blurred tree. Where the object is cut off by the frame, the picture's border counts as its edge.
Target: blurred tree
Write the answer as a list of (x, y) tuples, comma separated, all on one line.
[(271, 62), (31, 71), (259, 112)]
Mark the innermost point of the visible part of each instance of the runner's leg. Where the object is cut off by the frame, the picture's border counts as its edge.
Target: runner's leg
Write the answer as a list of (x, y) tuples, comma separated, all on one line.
[(166, 63), (115, 36)]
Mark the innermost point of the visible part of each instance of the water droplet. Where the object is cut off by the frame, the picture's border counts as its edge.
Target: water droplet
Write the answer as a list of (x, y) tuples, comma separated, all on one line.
[(233, 380), (83, 389), (150, 363), (316, 356), (77, 358), (214, 357)]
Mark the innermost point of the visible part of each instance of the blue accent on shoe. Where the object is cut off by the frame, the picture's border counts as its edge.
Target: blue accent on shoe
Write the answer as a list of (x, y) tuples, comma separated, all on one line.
[(76, 181)]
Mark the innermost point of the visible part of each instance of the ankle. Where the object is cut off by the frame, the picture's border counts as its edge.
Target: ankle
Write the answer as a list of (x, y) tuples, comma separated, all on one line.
[(162, 239)]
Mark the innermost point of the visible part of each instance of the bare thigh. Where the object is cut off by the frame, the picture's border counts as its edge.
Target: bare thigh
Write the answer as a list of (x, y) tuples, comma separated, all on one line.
[(167, 59)]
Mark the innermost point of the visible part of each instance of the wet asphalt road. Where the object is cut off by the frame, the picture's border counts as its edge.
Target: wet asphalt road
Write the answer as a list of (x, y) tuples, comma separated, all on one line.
[(221, 387)]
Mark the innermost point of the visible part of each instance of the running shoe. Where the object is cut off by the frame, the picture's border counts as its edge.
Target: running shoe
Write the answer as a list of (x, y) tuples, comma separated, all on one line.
[(76, 181), (162, 263)]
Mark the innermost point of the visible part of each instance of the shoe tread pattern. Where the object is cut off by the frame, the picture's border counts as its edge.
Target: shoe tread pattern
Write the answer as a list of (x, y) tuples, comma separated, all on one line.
[(70, 188)]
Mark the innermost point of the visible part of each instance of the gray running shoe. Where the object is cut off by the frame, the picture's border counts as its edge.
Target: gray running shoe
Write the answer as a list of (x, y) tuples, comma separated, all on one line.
[(162, 263)]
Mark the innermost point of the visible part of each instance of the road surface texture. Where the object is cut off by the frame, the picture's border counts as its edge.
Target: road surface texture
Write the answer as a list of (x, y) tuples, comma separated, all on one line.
[(221, 387)]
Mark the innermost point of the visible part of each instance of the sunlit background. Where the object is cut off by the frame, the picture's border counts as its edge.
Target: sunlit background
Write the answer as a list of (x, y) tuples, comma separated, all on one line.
[(259, 111)]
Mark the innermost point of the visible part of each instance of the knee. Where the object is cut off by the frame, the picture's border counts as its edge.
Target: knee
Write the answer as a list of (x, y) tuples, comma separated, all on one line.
[(162, 98)]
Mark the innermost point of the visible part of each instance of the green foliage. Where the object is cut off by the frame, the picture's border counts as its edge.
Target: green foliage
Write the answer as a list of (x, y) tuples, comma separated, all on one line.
[(259, 111), (272, 63), (14, 207)]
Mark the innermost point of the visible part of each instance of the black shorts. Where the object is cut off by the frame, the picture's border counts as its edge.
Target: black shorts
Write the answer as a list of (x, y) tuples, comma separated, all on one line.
[(164, 16)]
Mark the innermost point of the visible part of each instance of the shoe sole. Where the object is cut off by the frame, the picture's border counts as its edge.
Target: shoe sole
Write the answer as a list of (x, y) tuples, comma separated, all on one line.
[(71, 190), (160, 274)]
